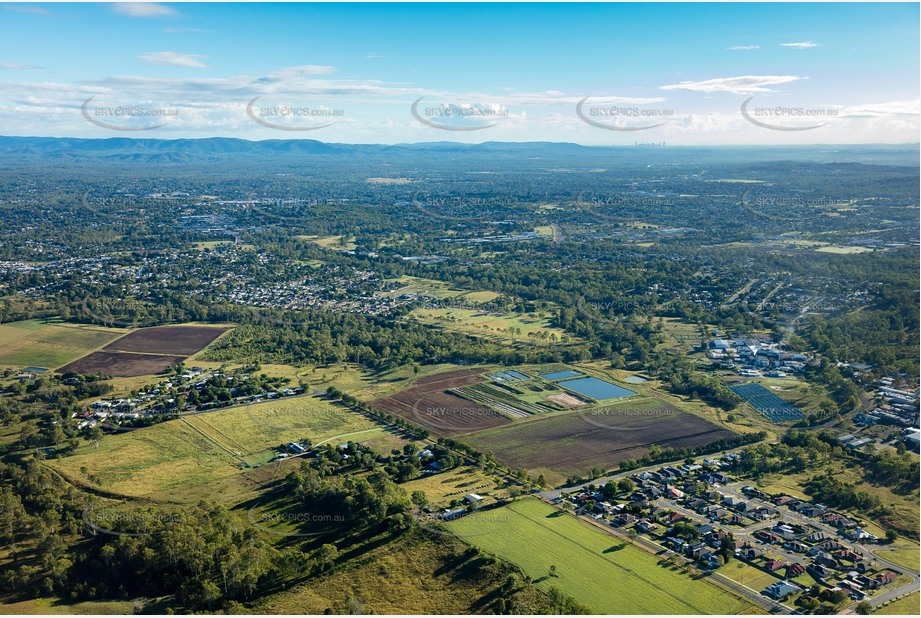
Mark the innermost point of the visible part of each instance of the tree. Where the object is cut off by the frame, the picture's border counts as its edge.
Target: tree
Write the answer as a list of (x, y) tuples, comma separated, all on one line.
[(419, 498), (625, 486), (609, 490), (864, 609), (809, 603), (834, 596), (326, 555)]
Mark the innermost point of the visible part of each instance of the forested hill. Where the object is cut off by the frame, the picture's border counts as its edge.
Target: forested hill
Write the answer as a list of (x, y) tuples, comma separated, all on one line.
[(120, 149)]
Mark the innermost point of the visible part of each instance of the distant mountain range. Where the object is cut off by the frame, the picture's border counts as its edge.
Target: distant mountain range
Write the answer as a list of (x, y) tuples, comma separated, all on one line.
[(26, 150)]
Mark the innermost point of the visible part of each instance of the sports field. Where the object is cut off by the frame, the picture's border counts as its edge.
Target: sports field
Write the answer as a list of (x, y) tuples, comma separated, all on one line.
[(608, 575)]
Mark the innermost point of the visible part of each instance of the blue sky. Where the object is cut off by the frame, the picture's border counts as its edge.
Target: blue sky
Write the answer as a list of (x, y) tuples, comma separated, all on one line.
[(673, 73)]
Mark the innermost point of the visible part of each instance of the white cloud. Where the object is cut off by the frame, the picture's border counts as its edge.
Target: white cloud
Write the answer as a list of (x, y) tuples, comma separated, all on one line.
[(14, 66), (743, 47), (882, 110), (143, 9), (746, 84), (29, 10), (374, 56), (805, 45), (173, 59), (378, 111)]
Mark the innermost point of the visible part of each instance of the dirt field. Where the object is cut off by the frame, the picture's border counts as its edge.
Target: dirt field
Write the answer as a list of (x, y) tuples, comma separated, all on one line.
[(427, 405), (179, 340), (575, 442), (566, 400), (121, 365)]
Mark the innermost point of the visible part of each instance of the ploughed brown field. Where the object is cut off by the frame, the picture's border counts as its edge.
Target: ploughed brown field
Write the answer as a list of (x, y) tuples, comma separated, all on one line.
[(122, 365), (428, 405), (573, 443), (178, 340)]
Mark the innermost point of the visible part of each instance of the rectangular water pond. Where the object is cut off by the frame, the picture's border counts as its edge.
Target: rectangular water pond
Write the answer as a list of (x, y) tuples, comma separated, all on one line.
[(596, 389), (517, 374), (560, 375)]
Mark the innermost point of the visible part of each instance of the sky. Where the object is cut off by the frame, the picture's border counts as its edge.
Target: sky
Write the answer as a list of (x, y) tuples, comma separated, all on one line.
[(594, 74)]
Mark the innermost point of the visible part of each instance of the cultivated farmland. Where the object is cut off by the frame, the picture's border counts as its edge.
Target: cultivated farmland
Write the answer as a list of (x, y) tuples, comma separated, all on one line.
[(428, 405), (178, 340), (610, 576), (572, 443), (122, 365), (146, 351)]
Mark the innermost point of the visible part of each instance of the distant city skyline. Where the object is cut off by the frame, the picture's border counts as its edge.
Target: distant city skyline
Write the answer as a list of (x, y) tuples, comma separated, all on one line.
[(594, 74)]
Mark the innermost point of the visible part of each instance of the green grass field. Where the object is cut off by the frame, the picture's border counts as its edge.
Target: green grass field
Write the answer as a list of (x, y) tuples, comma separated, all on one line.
[(905, 507), (336, 243), (454, 484), (56, 606), (474, 322), (410, 575), (680, 335), (431, 287), (745, 574), (606, 574), (903, 552), (844, 250), (169, 459), (906, 606), (184, 459), (49, 344), (252, 431)]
